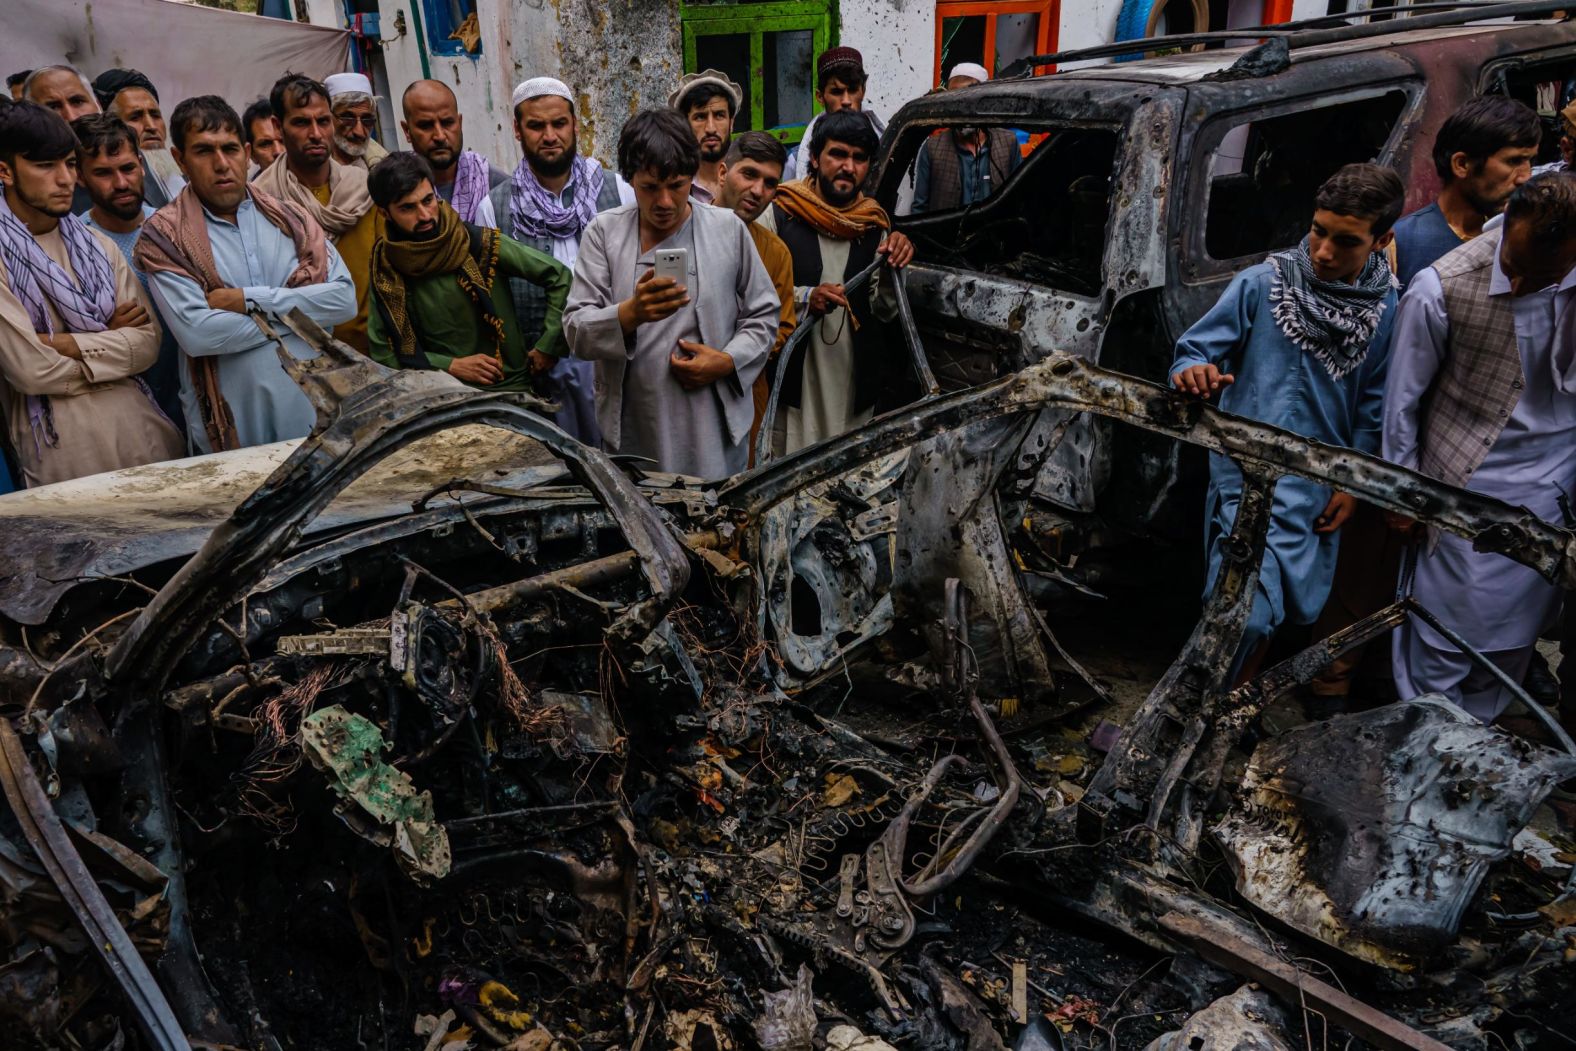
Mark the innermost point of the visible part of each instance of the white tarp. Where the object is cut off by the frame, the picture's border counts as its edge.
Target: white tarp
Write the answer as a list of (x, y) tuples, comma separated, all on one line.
[(184, 49)]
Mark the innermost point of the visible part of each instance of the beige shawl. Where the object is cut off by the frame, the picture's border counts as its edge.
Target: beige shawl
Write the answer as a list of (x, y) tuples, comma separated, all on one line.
[(348, 199)]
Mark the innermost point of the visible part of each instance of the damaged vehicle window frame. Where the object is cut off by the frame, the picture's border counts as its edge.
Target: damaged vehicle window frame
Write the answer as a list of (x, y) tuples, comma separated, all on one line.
[(1204, 267)]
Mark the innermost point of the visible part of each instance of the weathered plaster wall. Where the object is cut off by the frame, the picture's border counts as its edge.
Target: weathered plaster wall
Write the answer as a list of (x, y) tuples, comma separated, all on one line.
[(620, 56), (898, 41)]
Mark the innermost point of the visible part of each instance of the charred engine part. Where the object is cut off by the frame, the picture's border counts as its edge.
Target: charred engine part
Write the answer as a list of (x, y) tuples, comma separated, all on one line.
[(1371, 832)]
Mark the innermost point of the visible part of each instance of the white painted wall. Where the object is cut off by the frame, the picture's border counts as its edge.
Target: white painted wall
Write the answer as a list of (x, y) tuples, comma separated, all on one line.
[(898, 41)]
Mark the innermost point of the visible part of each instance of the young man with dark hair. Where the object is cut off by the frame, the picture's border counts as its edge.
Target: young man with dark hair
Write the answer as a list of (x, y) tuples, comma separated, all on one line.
[(1482, 395), (1482, 152), (438, 286), (752, 170), (547, 204), (110, 170), (833, 231), (436, 130), (14, 83), (1300, 341), (75, 331), (334, 194), (963, 165), (218, 250), (262, 135), (675, 360), (840, 83), (708, 100)]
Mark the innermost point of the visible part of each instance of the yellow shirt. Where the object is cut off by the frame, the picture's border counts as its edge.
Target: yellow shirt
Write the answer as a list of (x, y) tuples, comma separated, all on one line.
[(355, 247)]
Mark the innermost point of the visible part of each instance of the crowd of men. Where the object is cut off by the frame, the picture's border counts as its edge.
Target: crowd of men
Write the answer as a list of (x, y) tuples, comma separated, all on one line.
[(541, 279), (649, 302), (1444, 342)]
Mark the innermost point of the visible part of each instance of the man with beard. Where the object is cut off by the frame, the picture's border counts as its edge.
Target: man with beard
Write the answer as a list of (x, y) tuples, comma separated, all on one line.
[(219, 249), (355, 117), (840, 83), (75, 331), (833, 231), (262, 135), (1482, 395), (675, 360), (132, 97), (334, 194), (129, 95), (109, 169), (438, 291), (751, 172), (708, 100), (547, 204), (436, 131), (962, 166), (1482, 152)]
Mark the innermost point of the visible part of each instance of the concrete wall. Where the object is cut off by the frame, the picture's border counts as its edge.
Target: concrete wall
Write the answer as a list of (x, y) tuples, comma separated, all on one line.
[(898, 41), (622, 55)]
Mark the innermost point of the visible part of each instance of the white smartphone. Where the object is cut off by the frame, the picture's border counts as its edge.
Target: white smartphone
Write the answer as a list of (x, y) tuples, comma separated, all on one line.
[(673, 263)]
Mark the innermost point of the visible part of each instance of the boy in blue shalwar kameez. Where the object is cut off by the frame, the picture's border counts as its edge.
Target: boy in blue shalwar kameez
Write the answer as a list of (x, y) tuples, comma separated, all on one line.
[(1300, 341)]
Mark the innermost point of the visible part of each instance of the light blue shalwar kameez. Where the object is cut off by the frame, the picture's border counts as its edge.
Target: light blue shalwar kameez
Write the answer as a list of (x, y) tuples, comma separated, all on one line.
[(1279, 383), (255, 256)]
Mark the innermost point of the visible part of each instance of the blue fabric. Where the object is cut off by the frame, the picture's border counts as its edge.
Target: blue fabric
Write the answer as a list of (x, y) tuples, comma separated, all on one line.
[(1280, 384), (253, 255), (1421, 239), (163, 377)]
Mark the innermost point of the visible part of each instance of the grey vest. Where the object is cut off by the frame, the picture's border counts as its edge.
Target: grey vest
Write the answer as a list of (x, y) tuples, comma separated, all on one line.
[(946, 173), (1480, 381), (530, 301)]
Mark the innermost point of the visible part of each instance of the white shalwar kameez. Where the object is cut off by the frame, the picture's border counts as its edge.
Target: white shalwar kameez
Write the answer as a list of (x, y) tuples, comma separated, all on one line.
[(1497, 605)]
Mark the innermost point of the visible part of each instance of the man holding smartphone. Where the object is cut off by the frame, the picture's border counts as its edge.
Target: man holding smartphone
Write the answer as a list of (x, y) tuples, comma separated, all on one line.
[(675, 359)]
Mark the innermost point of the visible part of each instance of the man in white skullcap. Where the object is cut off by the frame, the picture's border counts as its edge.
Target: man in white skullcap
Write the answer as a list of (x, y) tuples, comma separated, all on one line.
[(355, 117), (961, 166), (547, 204)]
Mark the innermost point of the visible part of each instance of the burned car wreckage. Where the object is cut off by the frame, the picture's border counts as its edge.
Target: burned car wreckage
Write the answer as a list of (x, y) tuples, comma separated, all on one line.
[(551, 752), (440, 729)]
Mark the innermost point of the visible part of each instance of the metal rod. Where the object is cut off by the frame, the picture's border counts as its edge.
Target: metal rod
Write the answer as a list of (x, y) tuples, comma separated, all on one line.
[(1549, 722), (78, 889), (763, 440)]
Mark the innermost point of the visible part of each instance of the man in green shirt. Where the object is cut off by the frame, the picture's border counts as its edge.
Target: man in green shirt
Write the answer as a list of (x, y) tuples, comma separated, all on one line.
[(440, 294)]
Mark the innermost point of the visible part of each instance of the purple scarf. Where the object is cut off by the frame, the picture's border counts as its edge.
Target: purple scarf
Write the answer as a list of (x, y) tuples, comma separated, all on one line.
[(85, 303), (470, 185), (537, 212)]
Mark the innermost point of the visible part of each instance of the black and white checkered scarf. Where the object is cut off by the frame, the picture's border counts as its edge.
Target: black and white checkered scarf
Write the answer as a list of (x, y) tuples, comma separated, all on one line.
[(1333, 321)]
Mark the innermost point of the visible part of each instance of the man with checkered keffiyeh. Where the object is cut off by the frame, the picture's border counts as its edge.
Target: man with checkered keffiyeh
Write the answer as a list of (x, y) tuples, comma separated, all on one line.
[(1300, 341), (75, 331)]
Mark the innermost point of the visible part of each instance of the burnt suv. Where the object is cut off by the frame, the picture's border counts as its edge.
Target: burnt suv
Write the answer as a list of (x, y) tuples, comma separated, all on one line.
[(1146, 185)]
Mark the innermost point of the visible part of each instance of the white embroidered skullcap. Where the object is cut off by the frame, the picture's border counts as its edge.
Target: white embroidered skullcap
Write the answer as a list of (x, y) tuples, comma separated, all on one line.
[(536, 87), (969, 69), (347, 84)]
